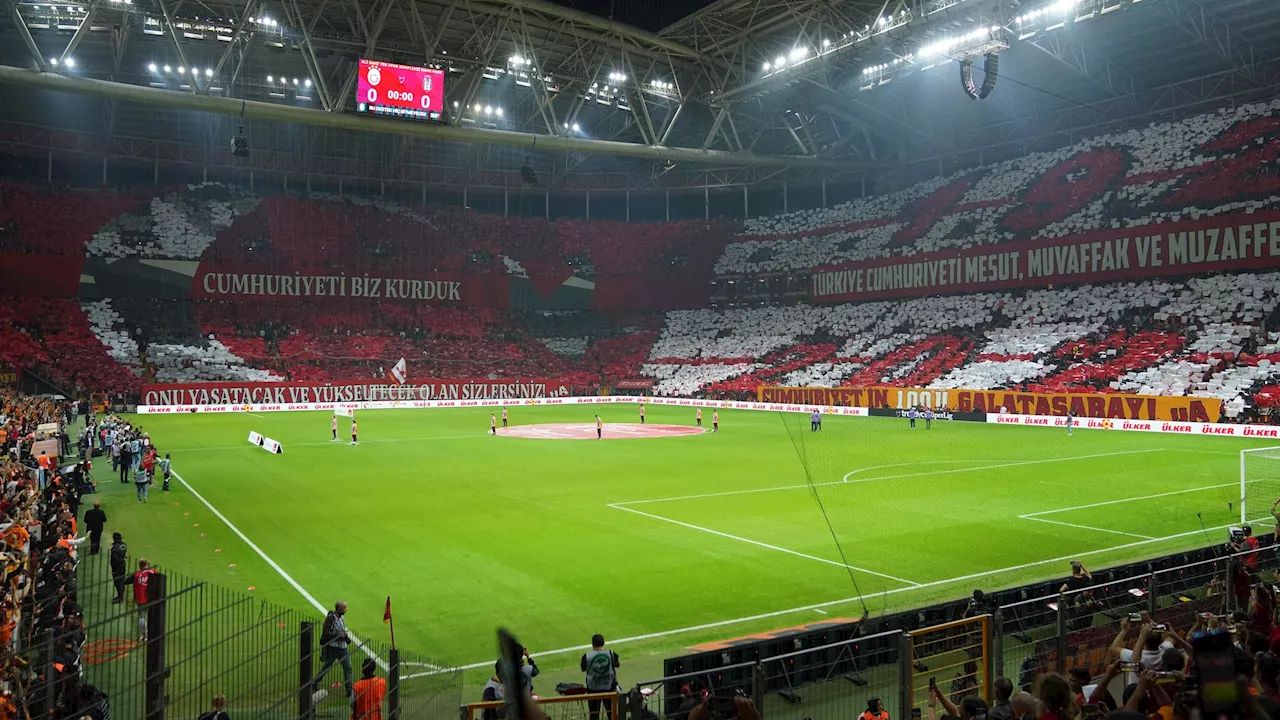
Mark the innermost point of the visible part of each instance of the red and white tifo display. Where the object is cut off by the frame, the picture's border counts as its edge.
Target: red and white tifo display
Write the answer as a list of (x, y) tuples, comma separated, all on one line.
[(400, 90)]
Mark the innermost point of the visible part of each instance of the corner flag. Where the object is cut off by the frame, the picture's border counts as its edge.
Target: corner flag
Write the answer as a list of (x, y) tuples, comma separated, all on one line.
[(398, 371), (386, 619)]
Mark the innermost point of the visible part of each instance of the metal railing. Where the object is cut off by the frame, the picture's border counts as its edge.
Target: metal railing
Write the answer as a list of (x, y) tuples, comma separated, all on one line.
[(1047, 632), (165, 659)]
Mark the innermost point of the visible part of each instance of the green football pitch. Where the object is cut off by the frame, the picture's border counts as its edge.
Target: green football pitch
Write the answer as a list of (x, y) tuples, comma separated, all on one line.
[(658, 543)]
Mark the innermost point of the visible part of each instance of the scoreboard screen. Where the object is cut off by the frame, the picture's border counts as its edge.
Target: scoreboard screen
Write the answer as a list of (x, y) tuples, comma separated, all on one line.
[(400, 90)]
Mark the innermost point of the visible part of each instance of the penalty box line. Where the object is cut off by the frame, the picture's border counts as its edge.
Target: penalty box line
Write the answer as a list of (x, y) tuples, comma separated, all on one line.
[(767, 546), (843, 601), (1037, 516), (847, 477)]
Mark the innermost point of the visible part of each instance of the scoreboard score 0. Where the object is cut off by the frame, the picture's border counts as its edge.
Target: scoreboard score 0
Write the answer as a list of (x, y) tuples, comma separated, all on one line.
[(400, 90)]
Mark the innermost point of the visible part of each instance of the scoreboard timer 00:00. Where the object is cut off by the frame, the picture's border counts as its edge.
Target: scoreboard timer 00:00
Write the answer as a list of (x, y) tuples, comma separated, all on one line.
[(403, 96)]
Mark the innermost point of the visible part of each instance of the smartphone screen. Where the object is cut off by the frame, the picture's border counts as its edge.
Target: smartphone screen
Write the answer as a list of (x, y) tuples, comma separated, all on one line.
[(509, 652), (1214, 659), (722, 707), (915, 714)]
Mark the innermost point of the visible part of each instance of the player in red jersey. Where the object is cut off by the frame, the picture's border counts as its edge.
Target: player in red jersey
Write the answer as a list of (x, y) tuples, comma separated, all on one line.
[(140, 581)]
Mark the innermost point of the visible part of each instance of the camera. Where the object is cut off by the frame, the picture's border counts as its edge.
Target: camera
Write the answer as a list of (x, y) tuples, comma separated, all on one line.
[(240, 143)]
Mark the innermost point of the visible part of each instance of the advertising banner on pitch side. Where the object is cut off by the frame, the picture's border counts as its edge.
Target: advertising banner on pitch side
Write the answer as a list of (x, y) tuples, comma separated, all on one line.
[(1096, 405)]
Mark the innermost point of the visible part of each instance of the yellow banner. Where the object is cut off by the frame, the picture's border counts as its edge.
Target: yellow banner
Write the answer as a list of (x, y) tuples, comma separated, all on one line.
[(1095, 405)]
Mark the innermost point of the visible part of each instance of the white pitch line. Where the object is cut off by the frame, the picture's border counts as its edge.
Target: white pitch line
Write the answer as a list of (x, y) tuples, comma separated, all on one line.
[(767, 546), (1084, 527), (842, 601), (876, 479), (1030, 516), (1003, 465), (275, 566)]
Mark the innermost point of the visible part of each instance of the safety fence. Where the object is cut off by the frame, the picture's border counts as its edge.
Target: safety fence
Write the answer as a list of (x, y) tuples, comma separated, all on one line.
[(1020, 635), (166, 658)]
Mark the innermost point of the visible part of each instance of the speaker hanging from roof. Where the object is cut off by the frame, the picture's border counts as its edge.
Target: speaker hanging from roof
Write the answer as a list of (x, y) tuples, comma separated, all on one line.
[(991, 73)]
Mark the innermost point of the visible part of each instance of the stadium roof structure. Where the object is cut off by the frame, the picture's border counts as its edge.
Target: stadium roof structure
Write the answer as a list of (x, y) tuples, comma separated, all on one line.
[(738, 92)]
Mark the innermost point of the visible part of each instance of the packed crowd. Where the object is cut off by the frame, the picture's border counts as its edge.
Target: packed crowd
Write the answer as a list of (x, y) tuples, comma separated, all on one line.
[(38, 527), (1165, 172)]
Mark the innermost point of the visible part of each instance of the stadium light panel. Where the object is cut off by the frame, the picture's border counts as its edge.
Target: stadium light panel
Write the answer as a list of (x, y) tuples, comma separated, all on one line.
[(799, 53), (307, 82), (208, 72), (152, 67), (498, 112), (53, 61), (577, 128), (766, 67), (182, 70), (782, 60), (168, 69), (295, 81)]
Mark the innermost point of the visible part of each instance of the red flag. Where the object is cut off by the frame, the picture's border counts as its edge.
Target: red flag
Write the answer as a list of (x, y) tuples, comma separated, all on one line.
[(386, 614)]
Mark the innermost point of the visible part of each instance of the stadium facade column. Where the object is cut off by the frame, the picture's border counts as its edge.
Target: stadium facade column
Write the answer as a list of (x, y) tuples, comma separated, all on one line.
[(546, 205), (668, 206), (588, 204), (746, 205), (786, 202), (628, 205), (824, 192)]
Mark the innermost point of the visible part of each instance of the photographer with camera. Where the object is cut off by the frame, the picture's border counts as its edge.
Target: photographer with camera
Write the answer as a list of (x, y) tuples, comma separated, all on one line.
[(1243, 541)]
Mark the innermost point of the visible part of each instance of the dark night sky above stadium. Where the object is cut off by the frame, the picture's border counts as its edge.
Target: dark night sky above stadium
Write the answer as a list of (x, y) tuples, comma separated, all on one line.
[(651, 15)]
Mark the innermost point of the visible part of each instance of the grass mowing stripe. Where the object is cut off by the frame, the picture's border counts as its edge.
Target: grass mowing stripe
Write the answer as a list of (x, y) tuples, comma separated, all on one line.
[(888, 477), (829, 603), (767, 546), (274, 566), (1085, 527), (1030, 516)]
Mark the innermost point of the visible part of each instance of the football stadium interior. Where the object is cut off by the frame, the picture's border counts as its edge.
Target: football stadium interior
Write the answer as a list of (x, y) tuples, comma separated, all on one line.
[(940, 340)]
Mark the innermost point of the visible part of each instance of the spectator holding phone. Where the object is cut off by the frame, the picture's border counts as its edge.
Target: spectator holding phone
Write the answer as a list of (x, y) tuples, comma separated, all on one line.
[(1148, 648)]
